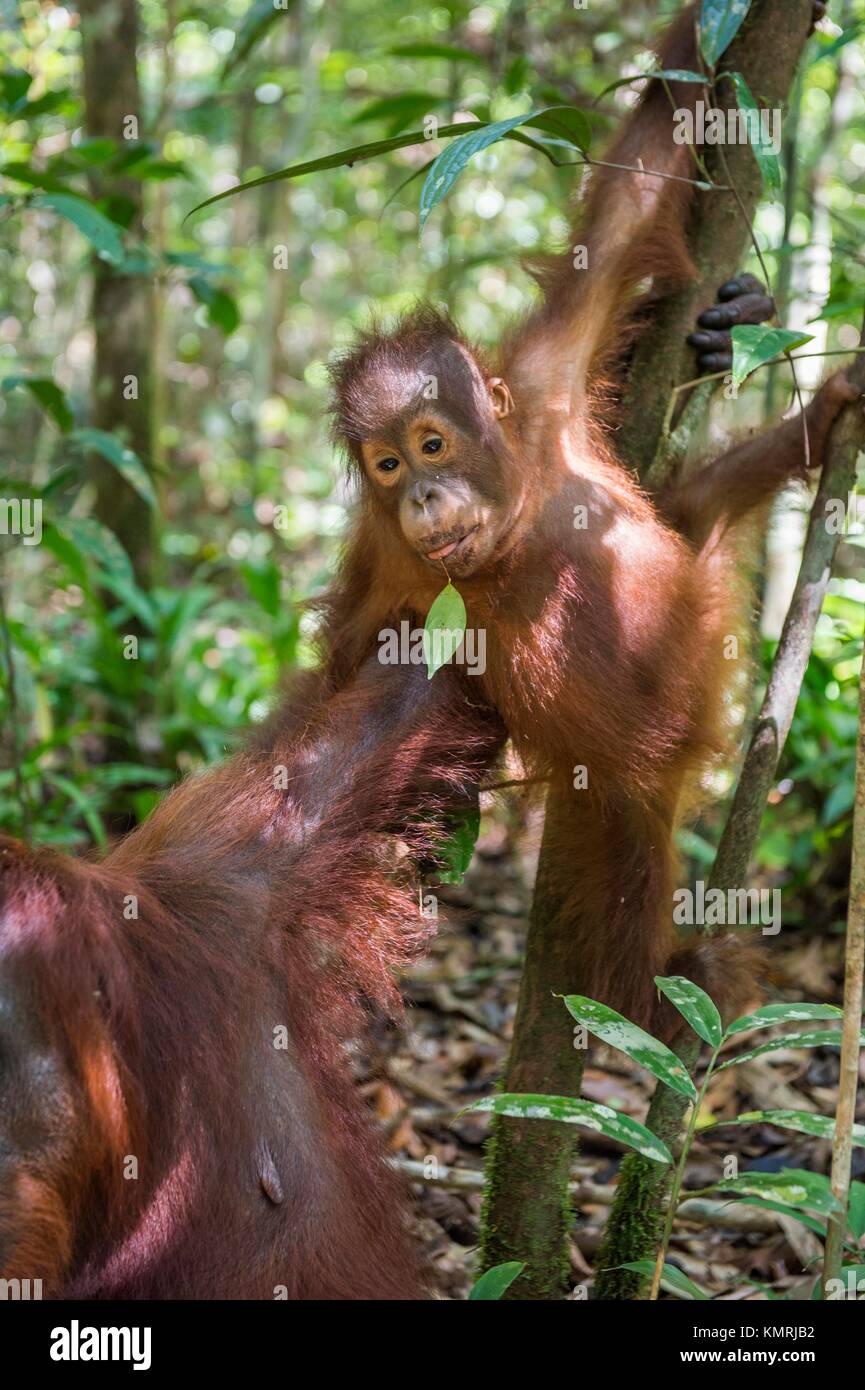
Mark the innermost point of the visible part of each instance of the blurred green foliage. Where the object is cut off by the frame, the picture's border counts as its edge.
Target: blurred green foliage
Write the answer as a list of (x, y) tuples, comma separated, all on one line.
[(806, 831)]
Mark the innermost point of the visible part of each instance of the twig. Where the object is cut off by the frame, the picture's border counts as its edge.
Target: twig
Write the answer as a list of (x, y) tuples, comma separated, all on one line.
[(704, 185), (655, 174), (854, 976), (768, 279), (772, 362), (513, 782), (472, 1180), (14, 724), (678, 1177), (720, 1215), (794, 648)]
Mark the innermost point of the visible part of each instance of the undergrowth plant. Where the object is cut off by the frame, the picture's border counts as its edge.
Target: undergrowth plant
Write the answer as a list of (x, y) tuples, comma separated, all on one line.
[(793, 1191)]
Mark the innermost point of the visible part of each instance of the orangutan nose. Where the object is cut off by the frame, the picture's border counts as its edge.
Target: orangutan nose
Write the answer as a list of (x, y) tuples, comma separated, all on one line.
[(424, 493)]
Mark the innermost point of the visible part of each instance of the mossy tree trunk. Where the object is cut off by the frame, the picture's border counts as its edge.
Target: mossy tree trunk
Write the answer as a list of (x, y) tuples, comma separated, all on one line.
[(527, 1214), (121, 306)]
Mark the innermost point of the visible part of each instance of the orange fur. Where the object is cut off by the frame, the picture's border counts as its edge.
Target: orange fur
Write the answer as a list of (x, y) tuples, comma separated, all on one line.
[(260, 904), (605, 610)]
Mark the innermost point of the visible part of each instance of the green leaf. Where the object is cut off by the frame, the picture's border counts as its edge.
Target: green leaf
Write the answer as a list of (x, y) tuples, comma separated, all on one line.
[(856, 1209), (827, 48), (49, 395), (124, 459), (59, 479), (262, 580), (115, 775), (67, 552), (138, 261), (18, 488), (221, 308), (253, 27), (193, 261), (518, 75), (599, 1118), (42, 106), (24, 173), (694, 1005), (765, 156), (14, 86), (457, 850), (447, 167), (102, 233), (160, 170), (567, 123), (782, 1013), (695, 846), (496, 1281), (635, 1042), (182, 609), (84, 544), (823, 1038), (444, 628), (336, 160), (720, 21), (356, 153), (85, 805), (450, 52), (95, 542), (765, 1204), (854, 1287), (131, 153), (768, 1292), (663, 74), (417, 173), (564, 122), (672, 1279), (98, 149), (838, 308), (792, 1187), (754, 344), (839, 801), (802, 1121), (408, 106)]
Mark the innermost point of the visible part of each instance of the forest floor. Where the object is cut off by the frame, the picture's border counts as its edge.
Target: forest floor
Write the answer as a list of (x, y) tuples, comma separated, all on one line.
[(452, 1048)]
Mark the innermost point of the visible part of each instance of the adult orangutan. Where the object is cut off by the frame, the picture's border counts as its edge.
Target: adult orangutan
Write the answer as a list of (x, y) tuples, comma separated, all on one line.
[(177, 1118), (604, 609)]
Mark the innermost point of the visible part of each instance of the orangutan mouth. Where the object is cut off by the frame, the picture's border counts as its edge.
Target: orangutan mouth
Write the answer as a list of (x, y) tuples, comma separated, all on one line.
[(444, 551)]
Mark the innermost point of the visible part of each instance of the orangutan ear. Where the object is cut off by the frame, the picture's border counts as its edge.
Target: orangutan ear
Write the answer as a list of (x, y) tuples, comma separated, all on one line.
[(500, 397)]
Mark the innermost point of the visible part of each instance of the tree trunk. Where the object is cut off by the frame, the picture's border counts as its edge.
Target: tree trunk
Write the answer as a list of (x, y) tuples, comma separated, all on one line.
[(527, 1200), (766, 51), (121, 303), (527, 1210), (851, 1052)]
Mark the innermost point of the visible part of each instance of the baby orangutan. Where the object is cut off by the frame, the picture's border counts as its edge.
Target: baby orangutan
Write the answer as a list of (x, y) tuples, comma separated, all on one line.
[(604, 609)]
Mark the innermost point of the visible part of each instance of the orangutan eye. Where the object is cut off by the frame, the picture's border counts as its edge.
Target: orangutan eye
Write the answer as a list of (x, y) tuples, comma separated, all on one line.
[(387, 465), (433, 445)]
